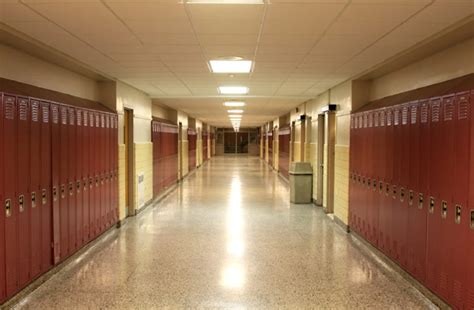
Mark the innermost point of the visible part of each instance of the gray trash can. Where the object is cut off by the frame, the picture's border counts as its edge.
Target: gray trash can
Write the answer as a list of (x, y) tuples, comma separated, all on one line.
[(301, 182)]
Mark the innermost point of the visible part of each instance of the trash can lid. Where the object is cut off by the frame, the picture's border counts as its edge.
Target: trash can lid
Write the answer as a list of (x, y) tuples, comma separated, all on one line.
[(301, 168)]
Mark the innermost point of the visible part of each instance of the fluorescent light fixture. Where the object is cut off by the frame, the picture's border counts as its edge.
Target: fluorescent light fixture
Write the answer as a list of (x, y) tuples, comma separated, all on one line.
[(225, 1), (231, 66), (235, 116), (233, 90), (234, 103), (235, 111)]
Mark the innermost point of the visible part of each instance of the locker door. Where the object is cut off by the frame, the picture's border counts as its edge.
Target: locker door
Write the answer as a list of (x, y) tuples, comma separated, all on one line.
[(11, 207), (387, 217), (108, 204), (404, 178), (97, 174), (457, 233), (78, 179), (92, 176), (468, 224), (85, 176), (63, 188), (24, 223), (72, 147), (35, 187), (56, 181), (434, 248), (103, 205), (2, 213), (423, 191), (382, 177), (44, 197)]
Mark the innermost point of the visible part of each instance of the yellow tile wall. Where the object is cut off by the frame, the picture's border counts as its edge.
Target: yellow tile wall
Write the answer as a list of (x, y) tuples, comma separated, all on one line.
[(121, 159), (297, 151), (325, 178), (276, 154), (341, 183), (184, 148), (144, 164)]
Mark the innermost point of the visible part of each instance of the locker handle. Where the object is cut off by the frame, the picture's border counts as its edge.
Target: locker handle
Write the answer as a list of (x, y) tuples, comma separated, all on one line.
[(374, 185), (96, 182), (21, 203), (457, 217), (78, 186), (8, 207), (381, 186), (472, 219), (387, 189), (420, 201), (63, 191), (33, 200), (55, 193), (44, 197), (394, 192), (444, 209), (91, 182), (369, 184), (85, 185), (410, 198), (71, 189), (432, 204), (402, 194)]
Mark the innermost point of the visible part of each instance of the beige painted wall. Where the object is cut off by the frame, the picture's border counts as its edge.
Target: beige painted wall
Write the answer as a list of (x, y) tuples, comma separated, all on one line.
[(448, 64), (143, 166), (122, 203), (21, 67), (183, 144)]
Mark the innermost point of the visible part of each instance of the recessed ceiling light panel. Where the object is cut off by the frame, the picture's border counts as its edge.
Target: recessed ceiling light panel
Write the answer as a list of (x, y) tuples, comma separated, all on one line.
[(225, 1), (235, 116), (235, 111), (233, 90), (231, 66), (234, 103)]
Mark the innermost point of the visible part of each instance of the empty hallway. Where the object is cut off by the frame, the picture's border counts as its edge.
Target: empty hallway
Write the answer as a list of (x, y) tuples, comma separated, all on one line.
[(227, 237)]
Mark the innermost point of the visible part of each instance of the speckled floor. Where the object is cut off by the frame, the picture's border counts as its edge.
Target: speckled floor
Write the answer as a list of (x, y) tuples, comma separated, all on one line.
[(227, 238)]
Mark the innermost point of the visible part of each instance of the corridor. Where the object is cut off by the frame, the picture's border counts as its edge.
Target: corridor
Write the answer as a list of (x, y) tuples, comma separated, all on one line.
[(227, 237)]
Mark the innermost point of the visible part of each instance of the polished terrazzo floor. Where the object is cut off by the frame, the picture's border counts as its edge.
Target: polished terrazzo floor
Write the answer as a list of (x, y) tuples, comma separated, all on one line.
[(227, 237)]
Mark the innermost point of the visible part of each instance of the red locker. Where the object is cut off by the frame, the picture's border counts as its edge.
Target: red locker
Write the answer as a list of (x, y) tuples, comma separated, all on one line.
[(116, 160), (56, 181), (2, 199), (85, 175), (456, 232), (72, 155), (404, 179), (388, 215), (78, 179), (22, 193), (382, 180), (468, 224), (43, 198), (102, 147), (92, 176), (35, 187), (10, 199), (63, 176), (434, 247), (96, 159), (106, 170)]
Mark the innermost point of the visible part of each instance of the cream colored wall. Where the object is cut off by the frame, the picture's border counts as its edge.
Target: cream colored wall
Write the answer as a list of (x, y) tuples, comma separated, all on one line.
[(199, 143), (183, 144), (143, 165), (21, 67), (161, 111), (122, 203), (450, 63)]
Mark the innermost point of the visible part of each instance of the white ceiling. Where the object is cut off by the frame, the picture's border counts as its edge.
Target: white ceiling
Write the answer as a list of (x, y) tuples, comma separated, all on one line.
[(300, 47)]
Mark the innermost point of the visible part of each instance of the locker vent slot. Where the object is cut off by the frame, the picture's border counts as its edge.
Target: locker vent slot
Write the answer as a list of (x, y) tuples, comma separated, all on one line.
[(64, 116), (432, 205), (371, 120), (389, 117), (45, 114), (413, 114), (435, 112), (23, 110), (376, 119), (97, 121), (34, 111), (424, 113), (86, 118), (55, 115), (79, 118), (396, 117), (382, 118), (405, 115), (71, 117), (444, 209), (9, 107), (448, 111), (463, 112), (472, 219), (91, 120), (420, 201), (457, 215)]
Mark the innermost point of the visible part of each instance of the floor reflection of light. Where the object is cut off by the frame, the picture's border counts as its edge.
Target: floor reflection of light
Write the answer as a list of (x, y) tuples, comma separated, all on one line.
[(233, 276), (235, 247)]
